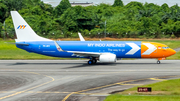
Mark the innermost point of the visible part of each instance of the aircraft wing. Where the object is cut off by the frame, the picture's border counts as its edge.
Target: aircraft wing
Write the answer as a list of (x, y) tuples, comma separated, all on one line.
[(91, 54), (78, 53)]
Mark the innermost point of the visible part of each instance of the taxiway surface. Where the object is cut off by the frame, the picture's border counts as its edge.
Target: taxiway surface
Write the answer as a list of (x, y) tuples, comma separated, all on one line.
[(75, 80)]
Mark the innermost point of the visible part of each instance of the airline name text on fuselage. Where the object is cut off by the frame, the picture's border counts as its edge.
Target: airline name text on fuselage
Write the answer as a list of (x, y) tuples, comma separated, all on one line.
[(105, 45)]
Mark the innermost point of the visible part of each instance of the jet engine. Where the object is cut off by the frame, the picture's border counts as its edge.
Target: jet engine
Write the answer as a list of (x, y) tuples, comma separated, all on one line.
[(108, 57)]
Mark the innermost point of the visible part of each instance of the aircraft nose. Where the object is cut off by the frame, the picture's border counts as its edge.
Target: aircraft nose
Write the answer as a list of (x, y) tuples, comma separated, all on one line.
[(172, 52)]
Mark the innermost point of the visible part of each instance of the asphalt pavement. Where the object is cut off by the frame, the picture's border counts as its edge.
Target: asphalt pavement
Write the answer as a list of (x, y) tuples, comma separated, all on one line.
[(75, 80)]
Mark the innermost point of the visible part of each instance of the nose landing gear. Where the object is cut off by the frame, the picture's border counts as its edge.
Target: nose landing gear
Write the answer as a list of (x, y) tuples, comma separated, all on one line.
[(158, 62)]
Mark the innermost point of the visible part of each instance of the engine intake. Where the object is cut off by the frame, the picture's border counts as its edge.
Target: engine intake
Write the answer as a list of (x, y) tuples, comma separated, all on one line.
[(108, 57)]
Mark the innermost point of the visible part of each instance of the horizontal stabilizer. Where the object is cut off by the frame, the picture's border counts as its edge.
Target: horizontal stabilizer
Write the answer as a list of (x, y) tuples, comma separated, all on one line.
[(23, 44)]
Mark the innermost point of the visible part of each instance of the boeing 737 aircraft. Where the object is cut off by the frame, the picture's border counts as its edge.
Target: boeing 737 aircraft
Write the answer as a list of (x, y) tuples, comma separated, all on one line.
[(103, 51)]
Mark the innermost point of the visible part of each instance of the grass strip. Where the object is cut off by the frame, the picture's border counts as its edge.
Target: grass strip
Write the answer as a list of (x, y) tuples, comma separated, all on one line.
[(117, 97), (161, 91)]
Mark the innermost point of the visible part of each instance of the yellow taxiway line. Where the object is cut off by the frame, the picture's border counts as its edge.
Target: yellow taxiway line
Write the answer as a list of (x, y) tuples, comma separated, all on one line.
[(19, 92), (121, 83)]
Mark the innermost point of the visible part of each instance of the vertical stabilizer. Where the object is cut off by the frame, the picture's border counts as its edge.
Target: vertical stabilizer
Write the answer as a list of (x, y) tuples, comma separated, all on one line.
[(23, 31)]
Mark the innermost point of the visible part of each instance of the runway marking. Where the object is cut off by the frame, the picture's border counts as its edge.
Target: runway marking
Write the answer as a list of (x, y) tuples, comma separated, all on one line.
[(70, 77), (95, 89), (129, 84), (19, 92), (115, 72), (110, 85), (157, 79), (49, 92), (71, 93), (68, 96), (79, 92)]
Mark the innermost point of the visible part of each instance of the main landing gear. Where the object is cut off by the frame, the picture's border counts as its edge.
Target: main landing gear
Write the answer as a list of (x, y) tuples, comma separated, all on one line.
[(92, 61)]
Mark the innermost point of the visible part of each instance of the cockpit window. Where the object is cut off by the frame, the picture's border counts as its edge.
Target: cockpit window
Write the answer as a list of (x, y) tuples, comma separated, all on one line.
[(165, 47)]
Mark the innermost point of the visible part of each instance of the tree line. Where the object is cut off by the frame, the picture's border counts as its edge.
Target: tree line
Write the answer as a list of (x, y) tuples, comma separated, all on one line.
[(134, 20)]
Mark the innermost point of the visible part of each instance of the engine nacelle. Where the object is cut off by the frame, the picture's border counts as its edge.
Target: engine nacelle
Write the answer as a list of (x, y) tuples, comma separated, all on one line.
[(108, 57)]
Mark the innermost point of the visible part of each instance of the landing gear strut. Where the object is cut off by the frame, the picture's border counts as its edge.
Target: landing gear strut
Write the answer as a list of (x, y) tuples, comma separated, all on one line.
[(158, 62)]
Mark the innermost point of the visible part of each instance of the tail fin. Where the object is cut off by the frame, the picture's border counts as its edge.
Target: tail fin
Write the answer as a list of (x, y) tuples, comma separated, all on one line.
[(23, 31)]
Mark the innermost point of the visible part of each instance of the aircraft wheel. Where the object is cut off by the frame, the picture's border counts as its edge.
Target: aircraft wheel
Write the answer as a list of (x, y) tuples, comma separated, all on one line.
[(158, 62), (90, 62), (94, 61)]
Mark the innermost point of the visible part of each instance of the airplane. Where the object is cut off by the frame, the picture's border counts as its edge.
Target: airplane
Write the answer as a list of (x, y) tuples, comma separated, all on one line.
[(102, 51)]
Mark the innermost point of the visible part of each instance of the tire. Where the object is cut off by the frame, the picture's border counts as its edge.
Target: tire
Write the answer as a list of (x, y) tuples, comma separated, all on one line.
[(158, 62), (94, 61), (90, 62)]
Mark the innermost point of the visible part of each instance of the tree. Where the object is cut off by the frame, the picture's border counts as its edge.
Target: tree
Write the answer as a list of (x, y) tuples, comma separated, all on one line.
[(165, 7), (3, 12), (177, 29), (118, 3), (0, 28), (134, 4), (63, 6), (3, 15), (76, 19)]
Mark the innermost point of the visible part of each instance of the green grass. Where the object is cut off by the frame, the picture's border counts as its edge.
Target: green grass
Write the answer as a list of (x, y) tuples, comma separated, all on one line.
[(117, 97), (10, 51), (171, 87), (174, 57), (161, 91)]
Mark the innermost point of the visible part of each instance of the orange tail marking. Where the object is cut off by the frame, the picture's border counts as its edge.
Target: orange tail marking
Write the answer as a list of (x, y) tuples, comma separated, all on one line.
[(20, 26), (24, 26)]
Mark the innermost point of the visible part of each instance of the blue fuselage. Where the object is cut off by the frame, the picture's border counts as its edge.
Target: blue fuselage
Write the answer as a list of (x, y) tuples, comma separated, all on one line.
[(120, 48)]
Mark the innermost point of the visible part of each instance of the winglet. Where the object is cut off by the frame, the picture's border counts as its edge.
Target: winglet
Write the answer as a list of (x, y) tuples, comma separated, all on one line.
[(58, 47), (81, 37)]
